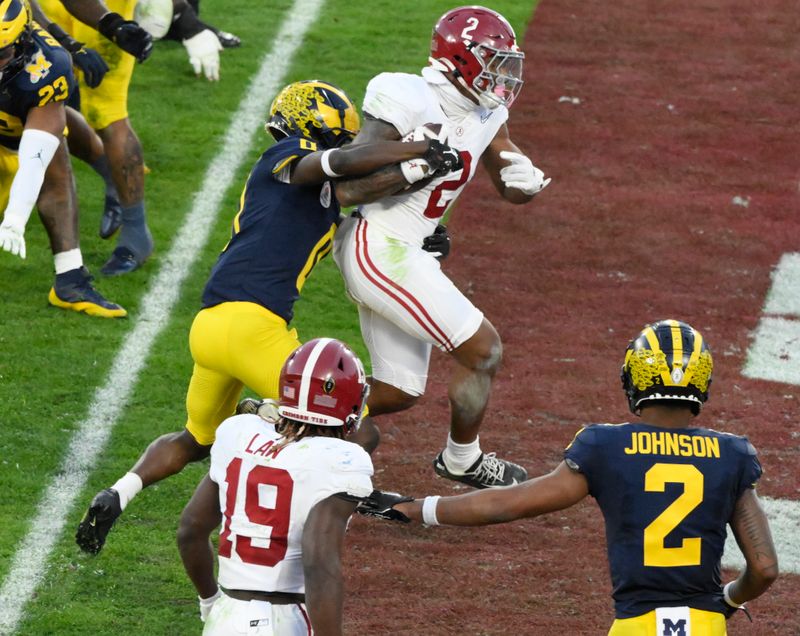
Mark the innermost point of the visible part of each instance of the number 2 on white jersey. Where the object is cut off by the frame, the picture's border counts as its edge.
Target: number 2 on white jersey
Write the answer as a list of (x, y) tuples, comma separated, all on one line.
[(444, 193), (276, 517)]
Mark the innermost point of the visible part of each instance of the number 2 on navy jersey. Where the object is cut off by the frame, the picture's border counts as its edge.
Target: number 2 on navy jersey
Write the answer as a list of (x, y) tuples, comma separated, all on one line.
[(688, 553), (278, 495)]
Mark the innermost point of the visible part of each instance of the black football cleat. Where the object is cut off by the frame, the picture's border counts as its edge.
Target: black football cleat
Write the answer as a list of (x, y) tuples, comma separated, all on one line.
[(111, 220), (96, 523), (487, 472), (73, 290), (122, 261)]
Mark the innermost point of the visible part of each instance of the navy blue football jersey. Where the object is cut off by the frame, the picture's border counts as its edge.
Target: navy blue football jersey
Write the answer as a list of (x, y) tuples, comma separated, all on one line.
[(666, 496), (46, 78), (279, 234)]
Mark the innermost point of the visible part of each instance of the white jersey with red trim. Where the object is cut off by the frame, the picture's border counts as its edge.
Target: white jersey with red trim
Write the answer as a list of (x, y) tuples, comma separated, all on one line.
[(266, 492), (407, 102)]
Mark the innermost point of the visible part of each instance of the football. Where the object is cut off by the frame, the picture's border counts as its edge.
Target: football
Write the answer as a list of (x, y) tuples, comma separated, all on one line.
[(154, 16)]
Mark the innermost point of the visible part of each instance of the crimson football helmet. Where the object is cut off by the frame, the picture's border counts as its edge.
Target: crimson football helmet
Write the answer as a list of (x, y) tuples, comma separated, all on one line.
[(323, 383), (479, 46), (668, 360)]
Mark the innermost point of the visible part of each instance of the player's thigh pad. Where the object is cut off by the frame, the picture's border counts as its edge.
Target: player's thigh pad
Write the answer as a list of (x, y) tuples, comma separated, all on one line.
[(405, 285), (108, 103), (397, 358), (244, 340), (668, 621)]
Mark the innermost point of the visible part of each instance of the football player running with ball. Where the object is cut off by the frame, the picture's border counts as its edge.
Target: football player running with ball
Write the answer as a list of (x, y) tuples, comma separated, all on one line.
[(290, 209), (280, 563), (406, 303), (666, 488)]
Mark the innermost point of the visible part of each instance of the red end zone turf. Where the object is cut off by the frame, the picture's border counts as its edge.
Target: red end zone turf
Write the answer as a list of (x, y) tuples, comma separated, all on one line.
[(651, 119)]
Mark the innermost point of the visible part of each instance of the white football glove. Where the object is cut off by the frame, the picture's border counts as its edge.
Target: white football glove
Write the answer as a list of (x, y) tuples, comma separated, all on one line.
[(206, 604), (203, 50), (522, 174), (12, 237)]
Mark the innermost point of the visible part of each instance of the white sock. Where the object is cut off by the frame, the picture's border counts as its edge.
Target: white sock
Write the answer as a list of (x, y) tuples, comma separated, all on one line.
[(128, 487), (69, 260), (459, 457)]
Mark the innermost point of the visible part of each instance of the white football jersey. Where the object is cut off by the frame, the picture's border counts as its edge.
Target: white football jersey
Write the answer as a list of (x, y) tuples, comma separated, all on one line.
[(407, 102), (266, 495)]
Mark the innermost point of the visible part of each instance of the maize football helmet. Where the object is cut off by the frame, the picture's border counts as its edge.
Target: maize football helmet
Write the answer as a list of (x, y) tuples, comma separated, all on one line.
[(480, 47), (315, 110), (16, 43), (668, 360), (323, 383)]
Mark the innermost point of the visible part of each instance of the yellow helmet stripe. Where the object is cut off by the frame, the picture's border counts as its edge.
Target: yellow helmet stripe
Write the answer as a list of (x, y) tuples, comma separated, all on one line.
[(692, 365)]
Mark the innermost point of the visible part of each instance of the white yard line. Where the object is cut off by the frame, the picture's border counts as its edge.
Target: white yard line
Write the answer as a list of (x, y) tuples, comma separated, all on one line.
[(29, 565)]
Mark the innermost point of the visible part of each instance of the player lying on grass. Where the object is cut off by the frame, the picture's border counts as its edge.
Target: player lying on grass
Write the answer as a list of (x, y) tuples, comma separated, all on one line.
[(666, 488)]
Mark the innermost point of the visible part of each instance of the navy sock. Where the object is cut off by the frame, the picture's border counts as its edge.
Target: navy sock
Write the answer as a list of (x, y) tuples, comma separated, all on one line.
[(102, 168), (135, 235)]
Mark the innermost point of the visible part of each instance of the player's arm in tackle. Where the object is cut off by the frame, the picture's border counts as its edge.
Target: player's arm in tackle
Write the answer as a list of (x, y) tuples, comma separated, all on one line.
[(751, 529), (560, 489), (323, 537), (390, 179), (43, 133), (512, 173), (199, 519)]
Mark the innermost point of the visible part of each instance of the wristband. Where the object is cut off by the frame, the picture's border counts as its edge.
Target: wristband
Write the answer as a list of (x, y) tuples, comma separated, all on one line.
[(414, 170), (325, 162), (429, 510), (727, 596)]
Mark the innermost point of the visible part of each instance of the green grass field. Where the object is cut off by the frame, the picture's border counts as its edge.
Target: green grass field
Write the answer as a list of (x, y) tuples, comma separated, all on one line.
[(52, 361)]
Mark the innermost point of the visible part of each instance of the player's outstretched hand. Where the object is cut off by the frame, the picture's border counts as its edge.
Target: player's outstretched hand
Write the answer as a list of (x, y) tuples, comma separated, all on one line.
[(92, 64), (522, 174), (380, 504), (127, 35), (12, 237), (203, 50)]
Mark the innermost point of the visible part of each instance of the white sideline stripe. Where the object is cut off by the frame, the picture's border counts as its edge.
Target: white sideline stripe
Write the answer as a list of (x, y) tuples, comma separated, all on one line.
[(29, 565), (784, 521), (775, 351)]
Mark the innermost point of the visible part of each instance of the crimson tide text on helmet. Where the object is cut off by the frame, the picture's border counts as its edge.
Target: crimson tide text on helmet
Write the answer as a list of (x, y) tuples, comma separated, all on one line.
[(479, 46), (323, 383), (316, 110), (668, 360), (16, 45)]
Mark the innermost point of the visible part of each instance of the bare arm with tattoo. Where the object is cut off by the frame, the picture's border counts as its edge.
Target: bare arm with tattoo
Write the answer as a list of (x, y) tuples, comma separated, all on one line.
[(751, 529)]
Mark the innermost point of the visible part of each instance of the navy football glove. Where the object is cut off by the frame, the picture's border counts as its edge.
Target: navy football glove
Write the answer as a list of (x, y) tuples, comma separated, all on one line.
[(438, 243), (380, 504), (127, 35), (92, 64)]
